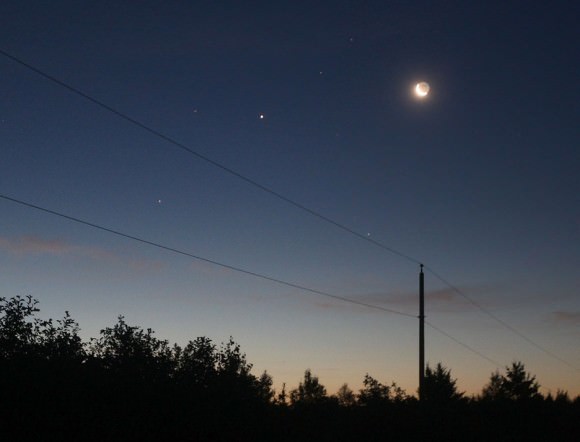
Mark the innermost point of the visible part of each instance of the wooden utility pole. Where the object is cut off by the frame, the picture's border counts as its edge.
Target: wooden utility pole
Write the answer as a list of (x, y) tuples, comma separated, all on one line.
[(421, 333)]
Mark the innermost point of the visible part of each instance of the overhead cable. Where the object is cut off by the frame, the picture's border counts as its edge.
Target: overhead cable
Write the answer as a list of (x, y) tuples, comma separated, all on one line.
[(500, 321), (238, 269), (205, 158), (269, 190), (201, 258), (463, 344)]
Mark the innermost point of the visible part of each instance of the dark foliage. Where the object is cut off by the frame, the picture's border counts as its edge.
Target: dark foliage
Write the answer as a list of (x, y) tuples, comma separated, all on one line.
[(129, 385), (515, 385), (439, 387), (309, 392)]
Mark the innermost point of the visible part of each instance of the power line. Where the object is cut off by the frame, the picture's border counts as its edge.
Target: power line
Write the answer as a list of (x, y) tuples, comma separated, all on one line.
[(200, 258), (273, 193), (463, 344), (467, 347), (500, 321), (205, 158), (238, 269)]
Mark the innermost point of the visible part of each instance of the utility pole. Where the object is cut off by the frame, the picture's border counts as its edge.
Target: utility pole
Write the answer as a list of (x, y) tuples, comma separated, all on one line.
[(421, 333)]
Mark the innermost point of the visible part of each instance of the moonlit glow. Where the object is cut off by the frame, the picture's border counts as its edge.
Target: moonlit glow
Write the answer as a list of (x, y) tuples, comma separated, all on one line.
[(422, 89)]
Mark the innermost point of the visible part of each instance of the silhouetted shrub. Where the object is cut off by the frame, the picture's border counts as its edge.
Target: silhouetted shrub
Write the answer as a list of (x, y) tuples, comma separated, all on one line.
[(129, 385)]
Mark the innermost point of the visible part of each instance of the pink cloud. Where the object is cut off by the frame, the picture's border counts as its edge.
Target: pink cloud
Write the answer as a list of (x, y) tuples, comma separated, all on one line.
[(26, 245), (442, 300), (34, 245), (442, 296), (567, 317)]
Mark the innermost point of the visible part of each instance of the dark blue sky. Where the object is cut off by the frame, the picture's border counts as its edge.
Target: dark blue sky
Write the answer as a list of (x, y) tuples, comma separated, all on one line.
[(479, 181)]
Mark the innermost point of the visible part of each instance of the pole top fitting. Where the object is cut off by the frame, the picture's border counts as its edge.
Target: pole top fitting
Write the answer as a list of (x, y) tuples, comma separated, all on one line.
[(421, 267)]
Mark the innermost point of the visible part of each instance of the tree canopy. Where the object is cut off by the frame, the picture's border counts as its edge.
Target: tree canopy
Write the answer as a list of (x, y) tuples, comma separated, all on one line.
[(439, 386), (127, 383), (515, 385)]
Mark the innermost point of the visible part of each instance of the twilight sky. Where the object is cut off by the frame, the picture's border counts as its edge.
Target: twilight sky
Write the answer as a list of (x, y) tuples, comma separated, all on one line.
[(313, 100)]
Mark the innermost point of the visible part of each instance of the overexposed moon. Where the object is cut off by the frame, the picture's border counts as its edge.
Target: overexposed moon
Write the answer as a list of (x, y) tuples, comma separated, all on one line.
[(422, 89)]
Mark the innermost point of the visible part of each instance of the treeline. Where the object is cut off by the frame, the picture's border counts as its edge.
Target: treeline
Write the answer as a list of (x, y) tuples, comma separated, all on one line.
[(127, 384)]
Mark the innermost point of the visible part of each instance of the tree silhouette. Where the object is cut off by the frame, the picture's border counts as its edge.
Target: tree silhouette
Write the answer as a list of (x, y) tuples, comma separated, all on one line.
[(345, 396), (282, 397), (309, 391), (60, 342), (562, 397), (373, 392), (128, 384), (264, 389), (41, 368), (17, 327), (231, 361), (439, 387), (24, 336), (515, 385), (494, 389), (133, 352), (397, 394), (196, 363)]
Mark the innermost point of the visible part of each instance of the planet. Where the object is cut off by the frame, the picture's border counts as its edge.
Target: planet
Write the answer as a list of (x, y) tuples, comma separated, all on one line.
[(422, 89)]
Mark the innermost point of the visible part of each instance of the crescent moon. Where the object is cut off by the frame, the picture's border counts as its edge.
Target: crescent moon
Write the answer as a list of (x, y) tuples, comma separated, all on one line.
[(422, 89)]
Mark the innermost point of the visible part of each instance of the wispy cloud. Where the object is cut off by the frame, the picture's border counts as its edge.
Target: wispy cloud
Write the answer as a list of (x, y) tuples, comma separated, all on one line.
[(27, 245), (34, 245), (441, 300), (567, 317)]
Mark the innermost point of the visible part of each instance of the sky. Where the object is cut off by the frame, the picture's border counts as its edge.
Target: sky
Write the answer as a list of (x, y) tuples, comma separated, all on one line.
[(314, 101)]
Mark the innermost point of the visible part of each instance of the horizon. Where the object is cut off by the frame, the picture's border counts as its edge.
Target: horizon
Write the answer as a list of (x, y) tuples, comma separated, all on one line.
[(278, 384), (252, 117)]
